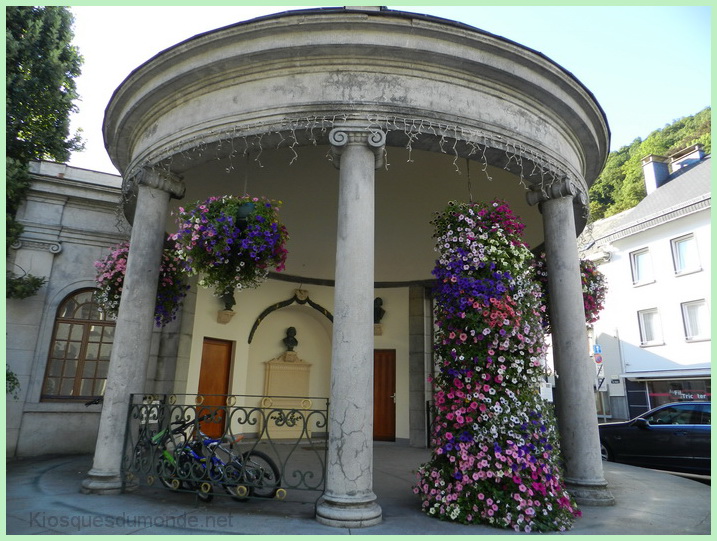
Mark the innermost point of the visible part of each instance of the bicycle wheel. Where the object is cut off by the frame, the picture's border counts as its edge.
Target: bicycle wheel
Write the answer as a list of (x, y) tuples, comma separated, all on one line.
[(261, 474), (167, 474), (233, 482), (193, 475)]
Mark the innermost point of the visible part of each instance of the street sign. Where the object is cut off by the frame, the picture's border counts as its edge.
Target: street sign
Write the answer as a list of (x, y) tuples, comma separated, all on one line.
[(597, 348), (598, 358)]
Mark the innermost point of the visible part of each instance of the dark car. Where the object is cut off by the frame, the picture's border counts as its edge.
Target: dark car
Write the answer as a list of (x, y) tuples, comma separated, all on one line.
[(673, 437)]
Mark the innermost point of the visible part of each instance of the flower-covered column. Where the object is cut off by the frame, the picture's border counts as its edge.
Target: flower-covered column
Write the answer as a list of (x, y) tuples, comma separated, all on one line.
[(495, 456), (135, 319), (348, 500), (575, 404)]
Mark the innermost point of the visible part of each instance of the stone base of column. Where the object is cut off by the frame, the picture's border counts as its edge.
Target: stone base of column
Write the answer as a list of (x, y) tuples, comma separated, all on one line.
[(101, 482), (590, 493), (348, 514)]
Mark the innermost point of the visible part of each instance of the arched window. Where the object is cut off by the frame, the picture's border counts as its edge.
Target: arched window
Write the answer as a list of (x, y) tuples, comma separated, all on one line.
[(80, 350)]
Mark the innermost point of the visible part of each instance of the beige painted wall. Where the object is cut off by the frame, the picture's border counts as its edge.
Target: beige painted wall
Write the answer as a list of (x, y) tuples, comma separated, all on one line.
[(313, 333)]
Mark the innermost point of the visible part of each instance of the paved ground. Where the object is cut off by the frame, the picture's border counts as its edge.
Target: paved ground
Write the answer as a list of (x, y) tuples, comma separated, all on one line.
[(43, 497)]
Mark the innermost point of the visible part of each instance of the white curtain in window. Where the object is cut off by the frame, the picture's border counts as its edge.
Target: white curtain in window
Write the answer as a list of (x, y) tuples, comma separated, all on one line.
[(686, 254), (695, 314), (641, 267), (649, 326)]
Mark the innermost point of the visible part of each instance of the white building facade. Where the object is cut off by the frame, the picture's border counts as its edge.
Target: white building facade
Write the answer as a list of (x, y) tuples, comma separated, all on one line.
[(652, 343)]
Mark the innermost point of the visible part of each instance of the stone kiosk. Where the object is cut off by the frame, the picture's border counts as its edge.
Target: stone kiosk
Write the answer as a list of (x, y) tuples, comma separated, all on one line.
[(349, 85)]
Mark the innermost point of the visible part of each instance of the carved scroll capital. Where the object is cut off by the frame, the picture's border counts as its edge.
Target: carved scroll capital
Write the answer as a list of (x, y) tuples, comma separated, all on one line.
[(563, 188), (344, 136), (39, 245), (162, 180)]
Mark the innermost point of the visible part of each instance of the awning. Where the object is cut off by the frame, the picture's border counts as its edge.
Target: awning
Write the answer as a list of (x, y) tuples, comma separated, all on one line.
[(692, 373)]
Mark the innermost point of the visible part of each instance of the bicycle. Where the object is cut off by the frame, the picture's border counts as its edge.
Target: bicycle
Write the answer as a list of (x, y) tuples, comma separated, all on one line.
[(251, 473), (195, 464), (173, 461)]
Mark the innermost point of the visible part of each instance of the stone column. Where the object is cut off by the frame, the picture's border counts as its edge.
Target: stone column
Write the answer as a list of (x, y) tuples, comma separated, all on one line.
[(133, 333), (576, 412), (348, 500)]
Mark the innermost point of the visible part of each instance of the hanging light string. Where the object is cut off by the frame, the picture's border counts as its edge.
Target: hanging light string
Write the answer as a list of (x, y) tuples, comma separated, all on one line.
[(227, 143)]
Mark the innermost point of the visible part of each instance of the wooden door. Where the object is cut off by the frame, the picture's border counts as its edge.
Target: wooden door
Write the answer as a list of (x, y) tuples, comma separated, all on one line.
[(384, 394), (214, 380)]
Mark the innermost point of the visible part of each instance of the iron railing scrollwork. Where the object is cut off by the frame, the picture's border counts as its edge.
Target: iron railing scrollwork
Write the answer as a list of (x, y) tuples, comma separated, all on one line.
[(239, 445)]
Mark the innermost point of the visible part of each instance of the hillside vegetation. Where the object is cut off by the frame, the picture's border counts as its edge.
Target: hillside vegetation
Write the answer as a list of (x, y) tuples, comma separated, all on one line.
[(620, 186)]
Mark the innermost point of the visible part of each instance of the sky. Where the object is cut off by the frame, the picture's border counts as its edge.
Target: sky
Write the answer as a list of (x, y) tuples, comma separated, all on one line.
[(646, 65)]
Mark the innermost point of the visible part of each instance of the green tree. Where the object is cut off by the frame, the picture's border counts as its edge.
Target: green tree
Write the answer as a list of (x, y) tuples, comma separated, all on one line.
[(41, 65)]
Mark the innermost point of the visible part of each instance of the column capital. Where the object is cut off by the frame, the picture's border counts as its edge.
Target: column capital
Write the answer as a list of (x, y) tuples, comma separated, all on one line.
[(164, 180), (37, 244), (344, 136), (557, 190)]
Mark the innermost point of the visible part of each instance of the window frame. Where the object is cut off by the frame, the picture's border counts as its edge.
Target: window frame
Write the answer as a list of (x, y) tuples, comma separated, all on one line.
[(681, 271), (80, 333), (634, 268), (705, 322), (658, 340)]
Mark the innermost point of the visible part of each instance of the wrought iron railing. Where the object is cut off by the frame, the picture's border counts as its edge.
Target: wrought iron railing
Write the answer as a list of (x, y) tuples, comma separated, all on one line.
[(240, 445)]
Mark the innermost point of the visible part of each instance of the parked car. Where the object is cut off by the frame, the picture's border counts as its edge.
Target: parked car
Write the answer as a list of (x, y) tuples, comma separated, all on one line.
[(673, 437)]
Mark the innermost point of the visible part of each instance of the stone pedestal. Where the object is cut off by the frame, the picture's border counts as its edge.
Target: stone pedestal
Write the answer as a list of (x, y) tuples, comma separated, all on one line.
[(348, 500), (225, 316), (286, 386)]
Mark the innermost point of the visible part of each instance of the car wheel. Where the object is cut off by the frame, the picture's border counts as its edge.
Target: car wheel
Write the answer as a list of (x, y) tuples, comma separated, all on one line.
[(605, 452)]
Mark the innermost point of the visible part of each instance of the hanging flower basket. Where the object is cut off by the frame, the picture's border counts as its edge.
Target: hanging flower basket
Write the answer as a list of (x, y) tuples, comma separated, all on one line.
[(594, 289), (231, 241), (171, 289)]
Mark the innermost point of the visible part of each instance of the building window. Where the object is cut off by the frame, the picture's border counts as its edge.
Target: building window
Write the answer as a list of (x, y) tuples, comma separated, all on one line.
[(684, 255), (602, 403), (696, 320), (641, 267), (684, 390), (80, 350), (650, 332)]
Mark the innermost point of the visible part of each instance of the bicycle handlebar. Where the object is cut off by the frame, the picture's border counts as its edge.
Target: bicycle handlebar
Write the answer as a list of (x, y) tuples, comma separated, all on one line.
[(185, 424)]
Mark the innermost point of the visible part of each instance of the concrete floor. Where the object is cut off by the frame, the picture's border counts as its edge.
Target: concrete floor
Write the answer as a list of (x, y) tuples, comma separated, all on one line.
[(43, 497)]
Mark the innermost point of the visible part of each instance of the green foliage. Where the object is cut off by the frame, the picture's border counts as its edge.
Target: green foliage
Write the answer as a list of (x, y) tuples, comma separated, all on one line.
[(21, 287), (17, 185), (12, 384), (621, 186), (41, 65)]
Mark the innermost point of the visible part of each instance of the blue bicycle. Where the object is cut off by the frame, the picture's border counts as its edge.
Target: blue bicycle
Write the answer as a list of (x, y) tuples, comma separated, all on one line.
[(198, 463)]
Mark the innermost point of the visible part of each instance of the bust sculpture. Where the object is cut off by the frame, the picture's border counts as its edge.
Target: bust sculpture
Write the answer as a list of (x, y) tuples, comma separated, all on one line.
[(290, 341), (378, 311)]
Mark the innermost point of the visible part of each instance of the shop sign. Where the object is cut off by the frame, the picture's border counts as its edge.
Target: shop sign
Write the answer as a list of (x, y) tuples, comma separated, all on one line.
[(689, 395)]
